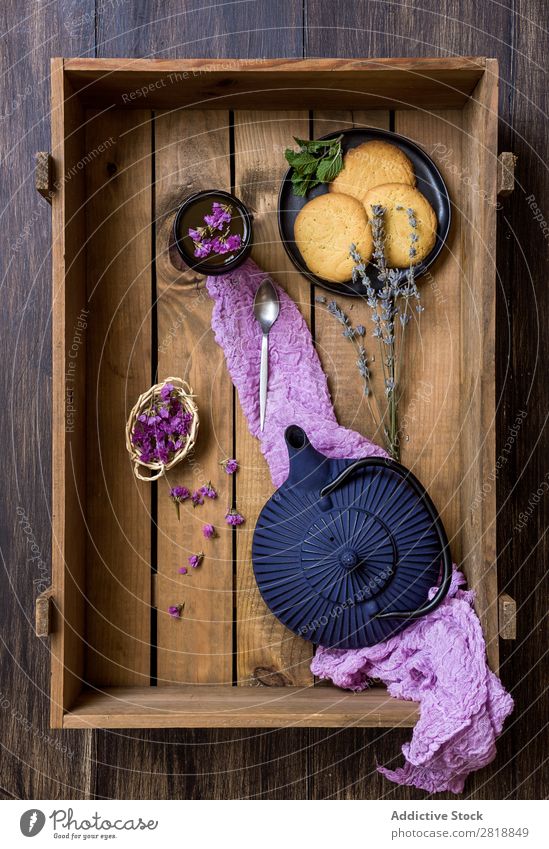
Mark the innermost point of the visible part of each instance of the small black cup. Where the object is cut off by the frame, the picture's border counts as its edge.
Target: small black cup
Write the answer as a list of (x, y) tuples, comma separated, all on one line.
[(184, 243)]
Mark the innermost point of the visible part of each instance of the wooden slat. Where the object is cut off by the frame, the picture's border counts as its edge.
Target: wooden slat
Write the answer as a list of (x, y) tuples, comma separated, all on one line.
[(478, 391), (69, 430), (192, 153), (257, 707), (337, 84), (267, 652), (431, 401), (119, 334), (338, 356)]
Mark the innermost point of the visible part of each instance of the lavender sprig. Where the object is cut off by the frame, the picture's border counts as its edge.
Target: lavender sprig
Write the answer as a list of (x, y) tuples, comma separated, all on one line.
[(354, 334), (390, 313)]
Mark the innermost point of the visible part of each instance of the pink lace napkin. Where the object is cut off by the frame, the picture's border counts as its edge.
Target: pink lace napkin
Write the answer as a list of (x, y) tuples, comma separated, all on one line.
[(440, 660)]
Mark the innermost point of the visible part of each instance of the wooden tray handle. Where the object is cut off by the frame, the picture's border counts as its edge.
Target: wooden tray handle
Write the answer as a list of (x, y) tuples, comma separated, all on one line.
[(43, 174), (507, 615), (506, 174), (44, 613)]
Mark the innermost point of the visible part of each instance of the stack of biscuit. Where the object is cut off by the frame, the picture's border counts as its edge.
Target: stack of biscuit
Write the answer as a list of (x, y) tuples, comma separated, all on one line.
[(374, 173)]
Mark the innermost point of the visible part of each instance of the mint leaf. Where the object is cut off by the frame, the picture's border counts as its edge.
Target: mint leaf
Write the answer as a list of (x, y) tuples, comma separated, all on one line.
[(328, 169), (317, 161), (302, 161), (301, 184)]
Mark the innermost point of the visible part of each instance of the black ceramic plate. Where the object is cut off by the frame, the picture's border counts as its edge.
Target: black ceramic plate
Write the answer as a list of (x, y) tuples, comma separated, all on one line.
[(429, 182)]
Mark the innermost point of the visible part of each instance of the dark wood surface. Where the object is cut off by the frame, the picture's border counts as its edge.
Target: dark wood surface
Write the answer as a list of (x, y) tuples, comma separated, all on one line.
[(38, 763)]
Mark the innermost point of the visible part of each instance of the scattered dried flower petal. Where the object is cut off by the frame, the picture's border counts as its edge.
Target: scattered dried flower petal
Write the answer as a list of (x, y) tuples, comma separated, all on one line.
[(197, 498), (230, 465), (175, 610), (232, 517), (208, 531), (208, 491), (178, 494), (196, 559)]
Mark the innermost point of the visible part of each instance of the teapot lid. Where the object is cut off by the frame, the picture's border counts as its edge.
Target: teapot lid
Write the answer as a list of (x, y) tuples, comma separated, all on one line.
[(335, 563)]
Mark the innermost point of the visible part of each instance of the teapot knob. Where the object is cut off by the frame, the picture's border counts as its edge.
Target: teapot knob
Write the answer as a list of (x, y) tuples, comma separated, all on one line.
[(348, 558)]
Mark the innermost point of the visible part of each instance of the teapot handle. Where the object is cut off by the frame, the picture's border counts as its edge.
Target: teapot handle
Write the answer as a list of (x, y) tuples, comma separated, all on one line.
[(421, 492)]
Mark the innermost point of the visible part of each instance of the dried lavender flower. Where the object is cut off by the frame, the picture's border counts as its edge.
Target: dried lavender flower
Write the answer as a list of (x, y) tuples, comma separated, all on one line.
[(230, 465)]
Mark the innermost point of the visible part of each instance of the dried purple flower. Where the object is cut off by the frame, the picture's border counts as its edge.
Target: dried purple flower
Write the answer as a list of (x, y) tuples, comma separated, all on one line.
[(220, 215), (175, 610), (161, 430), (203, 249), (337, 313), (353, 334), (166, 391), (178, 494), (197, 498), (232, 517), (182, 570), (215, 237), (230, 465), (234, 242), (208, 491), (196, 559), (208, 531)]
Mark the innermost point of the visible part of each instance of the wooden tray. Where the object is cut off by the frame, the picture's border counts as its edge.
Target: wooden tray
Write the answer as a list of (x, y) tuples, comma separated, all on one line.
[(131, 138)]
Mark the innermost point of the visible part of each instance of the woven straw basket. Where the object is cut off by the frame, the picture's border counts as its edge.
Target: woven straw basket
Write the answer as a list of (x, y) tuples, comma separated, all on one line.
[(143, 402)]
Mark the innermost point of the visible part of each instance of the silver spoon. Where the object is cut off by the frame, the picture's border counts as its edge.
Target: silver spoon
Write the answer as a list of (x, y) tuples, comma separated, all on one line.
[(266, 310)]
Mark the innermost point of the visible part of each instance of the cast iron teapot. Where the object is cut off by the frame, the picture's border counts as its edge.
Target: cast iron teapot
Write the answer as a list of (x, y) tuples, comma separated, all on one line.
[(346, 551)]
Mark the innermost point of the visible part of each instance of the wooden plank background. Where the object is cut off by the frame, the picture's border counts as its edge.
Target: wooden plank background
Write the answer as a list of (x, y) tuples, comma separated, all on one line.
[(299, 763)]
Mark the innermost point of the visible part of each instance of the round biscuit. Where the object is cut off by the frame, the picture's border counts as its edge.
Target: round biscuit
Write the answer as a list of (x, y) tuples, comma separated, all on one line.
[(324, 231), (396, 199), (371, 164)]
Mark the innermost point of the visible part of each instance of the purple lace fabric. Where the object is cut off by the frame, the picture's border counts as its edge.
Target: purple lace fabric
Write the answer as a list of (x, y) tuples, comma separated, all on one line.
[(440, 660)]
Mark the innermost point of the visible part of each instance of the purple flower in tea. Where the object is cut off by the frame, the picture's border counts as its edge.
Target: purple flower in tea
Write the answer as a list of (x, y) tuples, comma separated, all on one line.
[(221, 215), (234, 241), (232, 517), (196, 559), (182, 570), (215, 237), (219, 246), (208, 531), (175, 610), (230, 465), (203, 249)]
